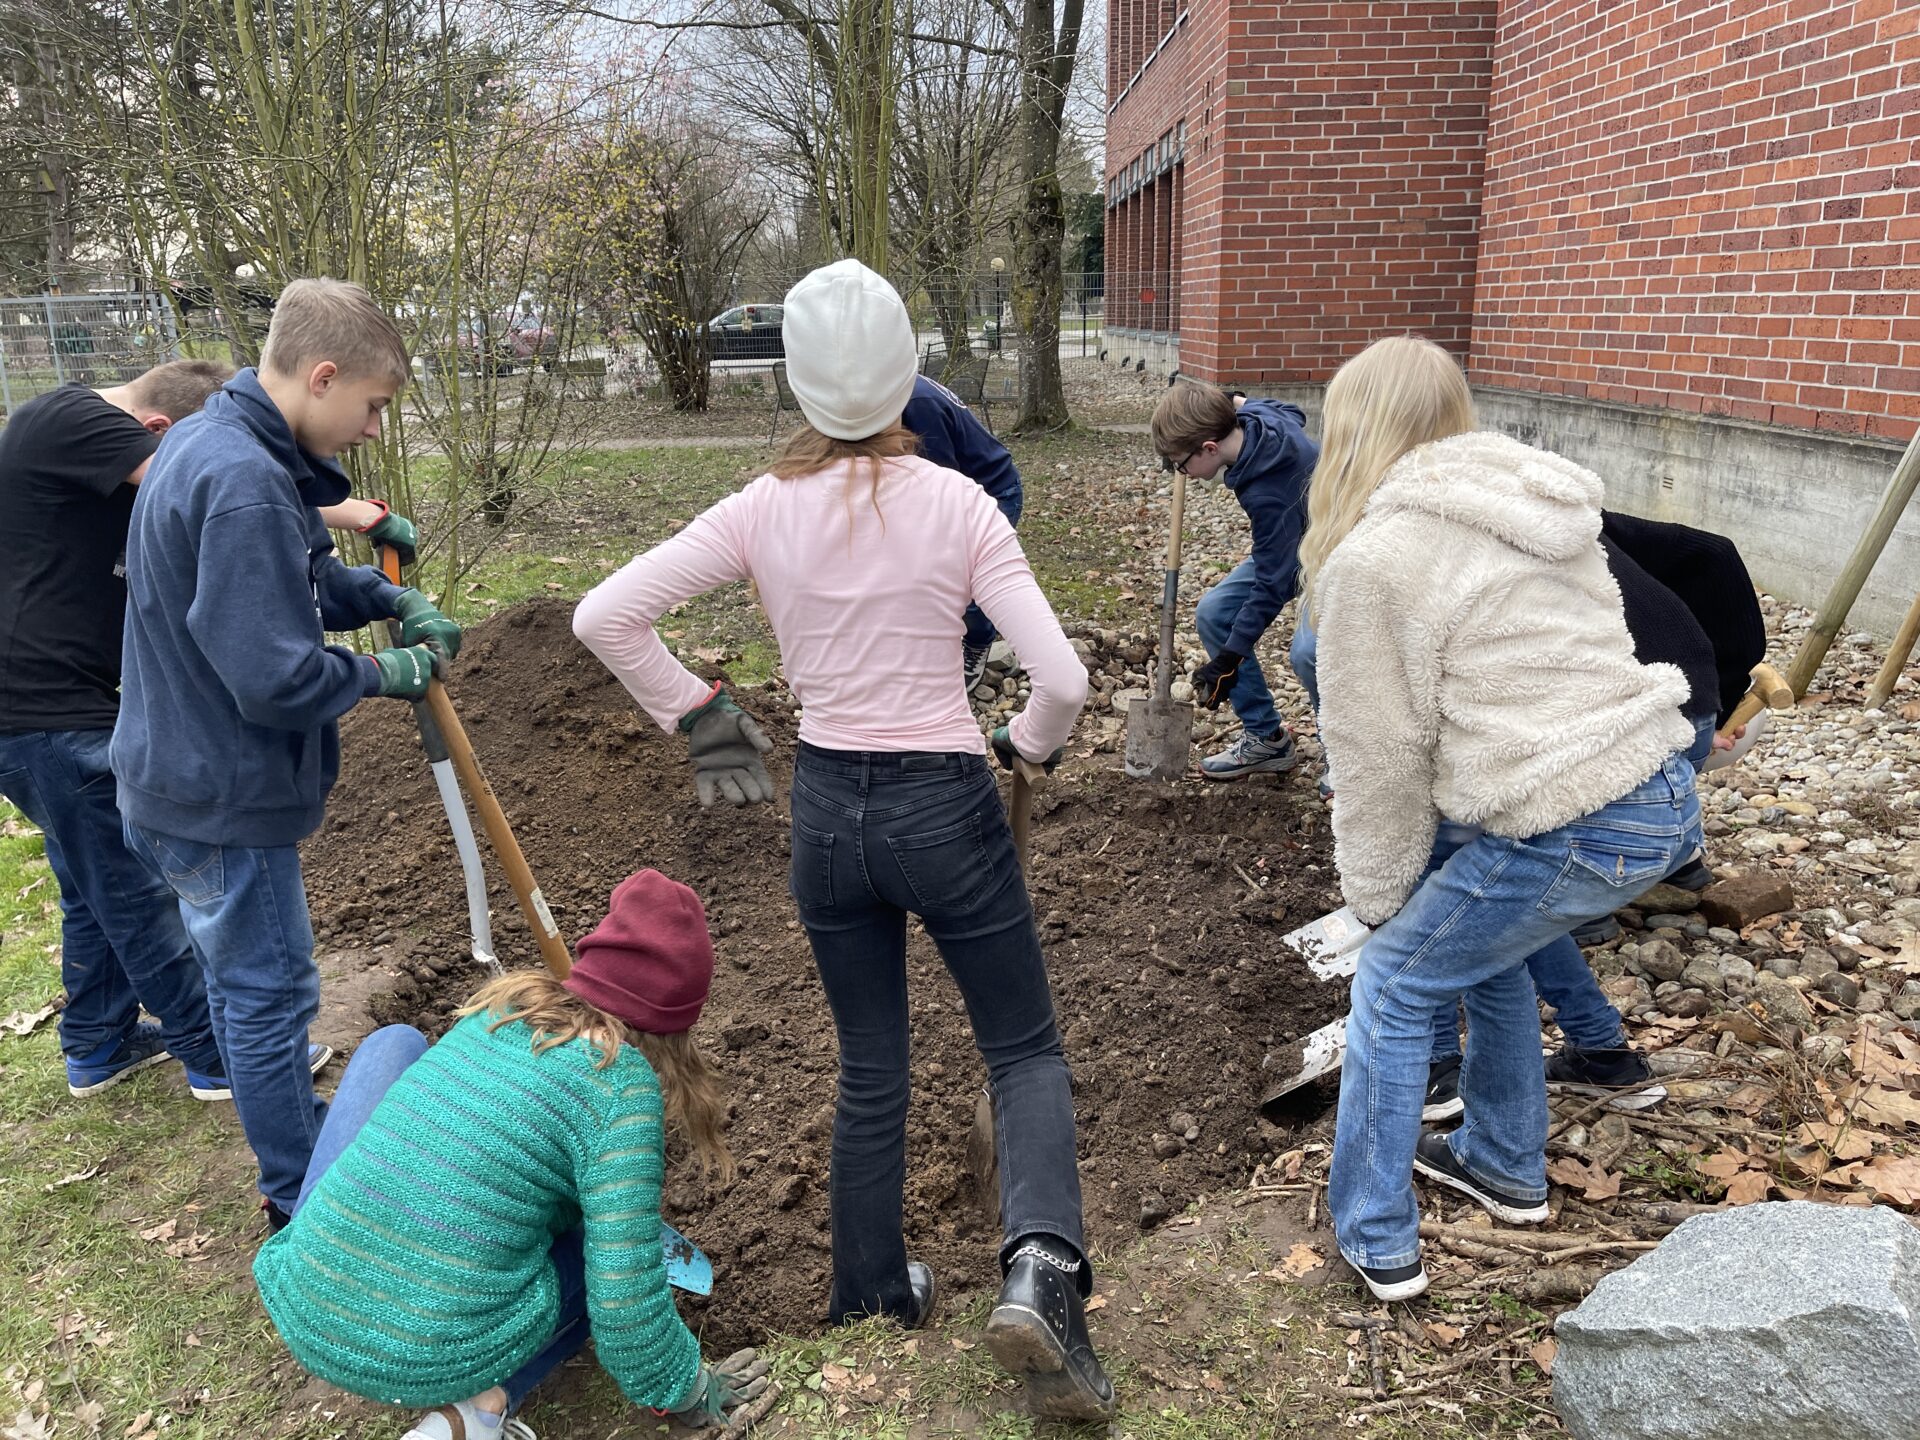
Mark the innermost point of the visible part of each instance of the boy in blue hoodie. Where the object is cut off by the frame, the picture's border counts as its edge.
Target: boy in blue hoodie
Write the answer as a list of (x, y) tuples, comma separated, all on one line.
[(226, 744), (950, 435), (1260, 451)]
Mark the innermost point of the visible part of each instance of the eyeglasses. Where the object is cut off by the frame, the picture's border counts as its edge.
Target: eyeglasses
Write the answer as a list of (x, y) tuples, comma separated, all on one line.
[(1181, 464)]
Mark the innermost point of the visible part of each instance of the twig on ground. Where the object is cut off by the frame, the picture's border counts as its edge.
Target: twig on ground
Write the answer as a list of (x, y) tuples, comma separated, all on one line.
[(1251, 883), (1371, 1326), (1599, 1247)]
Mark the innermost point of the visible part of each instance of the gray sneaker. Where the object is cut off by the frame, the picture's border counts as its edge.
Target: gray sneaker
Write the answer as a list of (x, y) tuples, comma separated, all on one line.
[(1250, 755), (973, 665)]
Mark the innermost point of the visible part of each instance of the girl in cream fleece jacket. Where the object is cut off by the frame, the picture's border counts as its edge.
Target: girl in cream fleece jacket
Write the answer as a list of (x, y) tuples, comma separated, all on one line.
[(1474, 664)]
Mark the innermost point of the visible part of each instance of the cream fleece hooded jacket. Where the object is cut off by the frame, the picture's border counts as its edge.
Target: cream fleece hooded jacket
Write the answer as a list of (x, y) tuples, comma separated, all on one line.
[(1474, 663)]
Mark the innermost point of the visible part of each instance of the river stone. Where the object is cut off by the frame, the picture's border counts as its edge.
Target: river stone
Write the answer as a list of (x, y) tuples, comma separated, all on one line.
[(1789, 1321), (1782, 1003)]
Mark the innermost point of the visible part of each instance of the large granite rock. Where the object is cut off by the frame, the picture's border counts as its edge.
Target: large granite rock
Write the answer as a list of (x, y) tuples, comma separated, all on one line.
[(1789, 1321)]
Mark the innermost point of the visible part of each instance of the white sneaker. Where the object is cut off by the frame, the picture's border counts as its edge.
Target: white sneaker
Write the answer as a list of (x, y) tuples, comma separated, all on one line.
[(466, 1421), (1250, 755)]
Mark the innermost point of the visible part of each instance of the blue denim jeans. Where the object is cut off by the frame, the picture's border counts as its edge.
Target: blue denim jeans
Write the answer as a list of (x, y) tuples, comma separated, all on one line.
[(245, 911), (878, 836), (1560, 973), (1304, 656), (121, 942), (1214, 617), (980, 632), (381, 1059), (1464, 935)]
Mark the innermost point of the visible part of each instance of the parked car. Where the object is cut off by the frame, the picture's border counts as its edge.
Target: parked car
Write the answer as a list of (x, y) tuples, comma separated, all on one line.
[(509, 339), (747, 332)]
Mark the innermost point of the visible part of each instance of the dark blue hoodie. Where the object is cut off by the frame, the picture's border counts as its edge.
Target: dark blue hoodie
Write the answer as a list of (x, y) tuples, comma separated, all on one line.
[(1269, 479), (951, 436), (229, 691)]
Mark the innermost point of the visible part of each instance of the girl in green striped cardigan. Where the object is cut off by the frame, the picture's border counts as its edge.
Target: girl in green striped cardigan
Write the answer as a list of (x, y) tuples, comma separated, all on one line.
[(476, 1210)]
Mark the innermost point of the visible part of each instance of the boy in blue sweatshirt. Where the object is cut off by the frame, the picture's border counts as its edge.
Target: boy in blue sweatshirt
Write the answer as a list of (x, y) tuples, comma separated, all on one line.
[(952, 436), (226, 743), (1260, 451)]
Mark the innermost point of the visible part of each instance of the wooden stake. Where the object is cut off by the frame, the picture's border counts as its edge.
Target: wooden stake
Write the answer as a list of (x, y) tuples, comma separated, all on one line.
[(1846, 589), (1896, 661)]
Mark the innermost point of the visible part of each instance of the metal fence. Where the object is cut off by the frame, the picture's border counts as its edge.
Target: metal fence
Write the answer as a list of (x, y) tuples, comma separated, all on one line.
[(93, 339)]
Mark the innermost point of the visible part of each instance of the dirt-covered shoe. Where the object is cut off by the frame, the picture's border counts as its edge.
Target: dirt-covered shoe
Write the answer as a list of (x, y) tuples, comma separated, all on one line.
[(1038, 1331), (973, 665), (920, 1281), (1693, 875), (215, 1087), (1596, 932), (1398, 1282), (1443, 1090), (1250, 755), (1622, 1075), (1433, 1158)]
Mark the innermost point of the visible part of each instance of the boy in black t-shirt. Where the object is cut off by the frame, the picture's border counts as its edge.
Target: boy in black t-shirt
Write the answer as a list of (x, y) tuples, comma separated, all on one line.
[(69, 464)]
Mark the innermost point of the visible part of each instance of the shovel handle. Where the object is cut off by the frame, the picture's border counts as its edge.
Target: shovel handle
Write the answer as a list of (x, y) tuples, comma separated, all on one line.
[(493, 819), (1026, 777)]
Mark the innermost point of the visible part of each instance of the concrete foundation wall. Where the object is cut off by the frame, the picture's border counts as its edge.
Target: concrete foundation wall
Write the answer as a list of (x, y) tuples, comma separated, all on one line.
[(1794, 501)]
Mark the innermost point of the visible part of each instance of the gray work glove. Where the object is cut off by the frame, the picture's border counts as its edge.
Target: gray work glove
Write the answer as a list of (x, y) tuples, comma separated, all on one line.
[(726, 744), (724, 1394)]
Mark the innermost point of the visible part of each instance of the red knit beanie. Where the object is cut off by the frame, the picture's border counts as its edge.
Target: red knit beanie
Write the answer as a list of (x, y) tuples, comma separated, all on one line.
[(650, 962)]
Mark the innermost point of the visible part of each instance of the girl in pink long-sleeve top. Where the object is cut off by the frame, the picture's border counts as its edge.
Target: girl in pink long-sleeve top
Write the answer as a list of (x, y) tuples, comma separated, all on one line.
[(866, 557)]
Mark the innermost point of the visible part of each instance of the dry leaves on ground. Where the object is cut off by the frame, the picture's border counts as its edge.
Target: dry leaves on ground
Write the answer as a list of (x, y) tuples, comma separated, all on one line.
[(1593, 1181)]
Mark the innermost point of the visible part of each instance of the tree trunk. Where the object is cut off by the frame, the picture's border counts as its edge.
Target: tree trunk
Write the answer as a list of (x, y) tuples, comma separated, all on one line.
[(1040, 224)]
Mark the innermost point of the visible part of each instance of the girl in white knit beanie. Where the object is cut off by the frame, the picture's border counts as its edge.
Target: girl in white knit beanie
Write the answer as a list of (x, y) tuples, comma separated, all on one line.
[(1507, 771)]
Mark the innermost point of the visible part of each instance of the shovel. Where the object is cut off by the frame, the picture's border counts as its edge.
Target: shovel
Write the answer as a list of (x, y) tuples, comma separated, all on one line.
[(1160, 730)]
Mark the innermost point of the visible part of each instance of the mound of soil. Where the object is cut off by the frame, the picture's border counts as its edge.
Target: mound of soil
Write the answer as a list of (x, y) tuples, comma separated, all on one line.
[(1160, 909)]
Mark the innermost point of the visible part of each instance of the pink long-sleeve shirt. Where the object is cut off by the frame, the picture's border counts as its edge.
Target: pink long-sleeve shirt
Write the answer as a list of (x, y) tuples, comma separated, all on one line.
[(866, 594)]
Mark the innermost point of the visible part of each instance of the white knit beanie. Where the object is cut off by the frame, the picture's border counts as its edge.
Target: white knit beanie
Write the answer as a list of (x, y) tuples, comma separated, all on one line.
[(850, 352)]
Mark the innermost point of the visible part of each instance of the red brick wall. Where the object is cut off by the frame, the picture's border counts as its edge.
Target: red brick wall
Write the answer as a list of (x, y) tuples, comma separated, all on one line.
[(1712, 205)]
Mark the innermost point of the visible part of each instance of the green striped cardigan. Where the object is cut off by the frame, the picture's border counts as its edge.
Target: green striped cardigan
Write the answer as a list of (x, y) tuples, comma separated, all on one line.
[(417, 1271)]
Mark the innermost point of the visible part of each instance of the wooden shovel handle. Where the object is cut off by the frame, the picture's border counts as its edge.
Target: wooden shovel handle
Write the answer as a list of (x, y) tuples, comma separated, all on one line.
[(1770, 692), (493, 819), (1027, 776)]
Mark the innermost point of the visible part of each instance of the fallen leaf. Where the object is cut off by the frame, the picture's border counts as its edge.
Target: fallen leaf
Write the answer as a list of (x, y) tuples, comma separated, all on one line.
[(74, 1179), (1842, 1142), (90, 1413), (1895, 1177), (163, 1231), (141, 1424), (1748, 1186), (25, 1022), (1878, 1105), (1722, 1166), (1544, 1353), (835, 1376), (1098, 1302), (1301, 1259), (192, 1342), (26, 1426), (1593, 1181), (1445, 1336)]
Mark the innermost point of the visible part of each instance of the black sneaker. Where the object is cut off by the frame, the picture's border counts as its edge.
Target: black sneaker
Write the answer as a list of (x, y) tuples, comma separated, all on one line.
[(1400, 1282), (1622, 1075), (1038, 1331), (1597, 932), (1443, 1090), (1433, 1158), (1691, 876), (973, 665), (277, 1219), (920, 1281)]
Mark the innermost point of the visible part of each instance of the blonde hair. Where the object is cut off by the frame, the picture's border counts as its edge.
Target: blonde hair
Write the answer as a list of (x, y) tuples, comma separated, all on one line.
[(807, 452), (690, 1089), (179, 388), (1188, 416), (323, 319), (1393, 397)]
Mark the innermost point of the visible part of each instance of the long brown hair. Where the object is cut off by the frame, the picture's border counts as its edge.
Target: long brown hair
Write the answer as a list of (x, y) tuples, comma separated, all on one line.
[(690, 1089), (807, 452)]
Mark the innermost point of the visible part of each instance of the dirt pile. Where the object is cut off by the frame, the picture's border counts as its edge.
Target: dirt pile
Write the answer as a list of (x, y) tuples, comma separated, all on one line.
[(1161, 911)]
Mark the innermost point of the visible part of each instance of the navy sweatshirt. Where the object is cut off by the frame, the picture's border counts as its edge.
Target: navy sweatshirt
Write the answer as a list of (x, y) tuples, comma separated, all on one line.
[(1269, 479), (952, 436), (229, 691)]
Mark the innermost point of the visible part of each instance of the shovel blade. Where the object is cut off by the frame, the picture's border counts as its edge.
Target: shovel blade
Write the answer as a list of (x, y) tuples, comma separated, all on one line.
[(1304, 1061), (1331, 943), (1159, 739), (687, 1268)]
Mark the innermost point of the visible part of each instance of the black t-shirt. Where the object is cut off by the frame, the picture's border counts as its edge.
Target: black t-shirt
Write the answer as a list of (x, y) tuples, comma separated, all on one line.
[(64, 505)]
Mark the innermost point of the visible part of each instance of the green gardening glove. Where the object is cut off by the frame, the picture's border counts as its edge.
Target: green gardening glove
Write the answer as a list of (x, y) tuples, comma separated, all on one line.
[(396, 530), (1003, 751), (723, 1394), (405, 674), (421, 623), (726, 745)]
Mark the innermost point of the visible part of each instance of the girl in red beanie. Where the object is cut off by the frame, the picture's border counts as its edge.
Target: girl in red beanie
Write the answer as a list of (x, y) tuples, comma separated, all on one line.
[(475, 1211), (866, 556)]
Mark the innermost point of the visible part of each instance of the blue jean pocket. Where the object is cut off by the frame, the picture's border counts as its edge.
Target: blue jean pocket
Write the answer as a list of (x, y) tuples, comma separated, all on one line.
[(1599, 875), (946, 869), (196, 872), (810, 875)]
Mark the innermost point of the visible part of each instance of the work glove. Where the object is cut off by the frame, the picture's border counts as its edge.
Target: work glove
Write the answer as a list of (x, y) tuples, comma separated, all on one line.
[(1004, 752), (726, 744), (723, 1394), (1213, 680), (421, 623), (396, 530), (406, 673)]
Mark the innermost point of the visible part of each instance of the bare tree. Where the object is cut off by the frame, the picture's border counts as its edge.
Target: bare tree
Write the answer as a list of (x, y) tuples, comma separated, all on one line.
[(1047, 60)]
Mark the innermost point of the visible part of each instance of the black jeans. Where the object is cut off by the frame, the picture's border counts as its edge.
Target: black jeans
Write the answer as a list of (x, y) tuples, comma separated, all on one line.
[(878, 835)]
